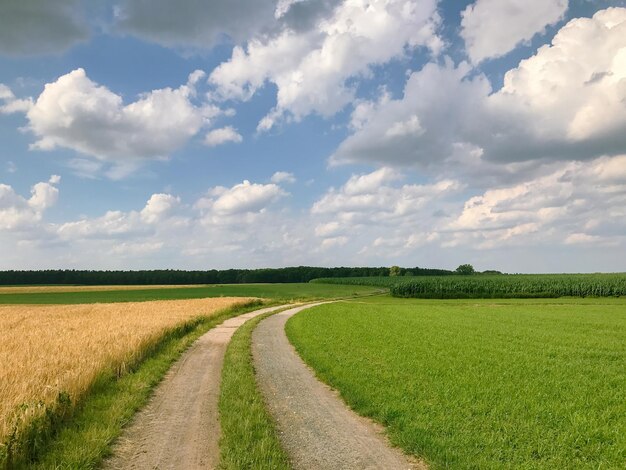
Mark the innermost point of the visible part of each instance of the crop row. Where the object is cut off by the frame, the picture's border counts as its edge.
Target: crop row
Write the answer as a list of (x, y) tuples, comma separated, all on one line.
[(499, 286)]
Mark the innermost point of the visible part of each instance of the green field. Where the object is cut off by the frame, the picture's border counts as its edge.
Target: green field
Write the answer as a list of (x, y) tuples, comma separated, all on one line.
[(480, 383), (279, 292), (495, 286)]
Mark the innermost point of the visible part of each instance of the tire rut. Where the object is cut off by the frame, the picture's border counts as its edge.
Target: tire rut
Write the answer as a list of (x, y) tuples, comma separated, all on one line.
[(179, 427), (316, 428)]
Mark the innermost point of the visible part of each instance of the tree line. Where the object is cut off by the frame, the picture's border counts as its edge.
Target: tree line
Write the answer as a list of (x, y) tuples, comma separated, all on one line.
[(213, 276)]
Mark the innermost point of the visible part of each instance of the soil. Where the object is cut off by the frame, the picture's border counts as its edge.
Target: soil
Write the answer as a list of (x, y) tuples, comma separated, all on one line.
[(316, 428), (179, 428)]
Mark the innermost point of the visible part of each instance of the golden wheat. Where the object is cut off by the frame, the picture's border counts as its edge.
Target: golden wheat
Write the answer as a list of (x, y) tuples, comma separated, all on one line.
[(45, 350)]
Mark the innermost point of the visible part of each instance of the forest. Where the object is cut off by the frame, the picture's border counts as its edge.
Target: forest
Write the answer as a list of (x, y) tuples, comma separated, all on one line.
[(213, 276)]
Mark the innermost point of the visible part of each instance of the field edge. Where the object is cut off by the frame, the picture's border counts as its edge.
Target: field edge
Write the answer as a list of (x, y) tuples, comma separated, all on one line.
[(83, 437)]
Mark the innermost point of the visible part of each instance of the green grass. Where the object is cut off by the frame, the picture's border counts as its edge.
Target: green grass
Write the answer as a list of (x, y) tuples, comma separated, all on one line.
[(84, 439), (525, 384), (249, 439), (282, 292)]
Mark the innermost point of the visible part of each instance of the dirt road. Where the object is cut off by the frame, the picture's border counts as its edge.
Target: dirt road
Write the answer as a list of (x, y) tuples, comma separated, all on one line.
[(179, 428), (317, 429)]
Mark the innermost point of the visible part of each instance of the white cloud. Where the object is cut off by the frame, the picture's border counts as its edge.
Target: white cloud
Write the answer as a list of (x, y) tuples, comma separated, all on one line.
[(283, 177), (402, 128), (112, 224), (563, 103), (566, 101), (492, 28), (573, 204), (311, 68), (374, 218), (161, 213), (329, 229), (158, 207), (30, 27), (371, 182), (76, 113), (221, 136), (19, 213), (334, 242), (582, 238), (226, 221), (243, 198), (421, 127), (9, 104), (133, 249), (373, 205)]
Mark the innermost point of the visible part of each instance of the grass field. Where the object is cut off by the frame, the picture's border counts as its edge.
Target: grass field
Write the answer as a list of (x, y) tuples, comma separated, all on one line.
[(50, 356), (68, 288), (283, 292), (480, 383)]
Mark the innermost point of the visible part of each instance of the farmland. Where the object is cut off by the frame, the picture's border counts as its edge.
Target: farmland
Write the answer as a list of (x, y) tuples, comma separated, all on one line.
[(496, 286), (108, 294), (52, 289), (50, 356), (480, 383)]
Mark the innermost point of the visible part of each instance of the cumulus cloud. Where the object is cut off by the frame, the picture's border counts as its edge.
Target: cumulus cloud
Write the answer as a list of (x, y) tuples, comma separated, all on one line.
[(439, 101), (9, 104), (574, 204), (225, 221), (372, 218), (375, 205), (492, 28), (112, 224), (31, 27), (283, 177), (564, 103), (76, 113), (222, 136), (382, 204), (162, 212), (19, 213), (577, 203), (158, 207), (311, 69), (242, 198)]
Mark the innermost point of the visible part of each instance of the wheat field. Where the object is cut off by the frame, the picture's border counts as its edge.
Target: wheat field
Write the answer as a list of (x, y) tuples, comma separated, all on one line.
[(49, 349)]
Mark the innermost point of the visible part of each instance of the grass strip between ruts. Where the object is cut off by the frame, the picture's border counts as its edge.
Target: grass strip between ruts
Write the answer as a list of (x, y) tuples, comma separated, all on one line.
[(84, 440), (249, 438)]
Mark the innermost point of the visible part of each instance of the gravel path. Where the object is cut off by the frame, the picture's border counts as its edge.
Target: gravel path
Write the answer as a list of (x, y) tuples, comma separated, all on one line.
[(317, 429), (179, 428)]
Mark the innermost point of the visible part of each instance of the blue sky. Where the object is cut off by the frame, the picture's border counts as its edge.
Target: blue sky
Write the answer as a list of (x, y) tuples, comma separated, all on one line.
[(239, 133)]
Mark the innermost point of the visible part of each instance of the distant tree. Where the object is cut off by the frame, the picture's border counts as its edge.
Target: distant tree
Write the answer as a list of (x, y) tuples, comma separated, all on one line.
[(408, 273), (394, 271), (465, 269)]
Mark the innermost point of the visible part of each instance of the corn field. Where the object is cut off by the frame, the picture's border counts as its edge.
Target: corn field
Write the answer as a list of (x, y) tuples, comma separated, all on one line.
[(497, 286)]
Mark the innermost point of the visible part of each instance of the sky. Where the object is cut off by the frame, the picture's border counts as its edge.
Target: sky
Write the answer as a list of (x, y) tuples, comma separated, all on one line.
[(195, 134)]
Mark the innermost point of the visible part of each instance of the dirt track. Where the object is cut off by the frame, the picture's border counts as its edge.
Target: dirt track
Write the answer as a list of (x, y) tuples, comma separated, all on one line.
[(179, 428), (317, 429)]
